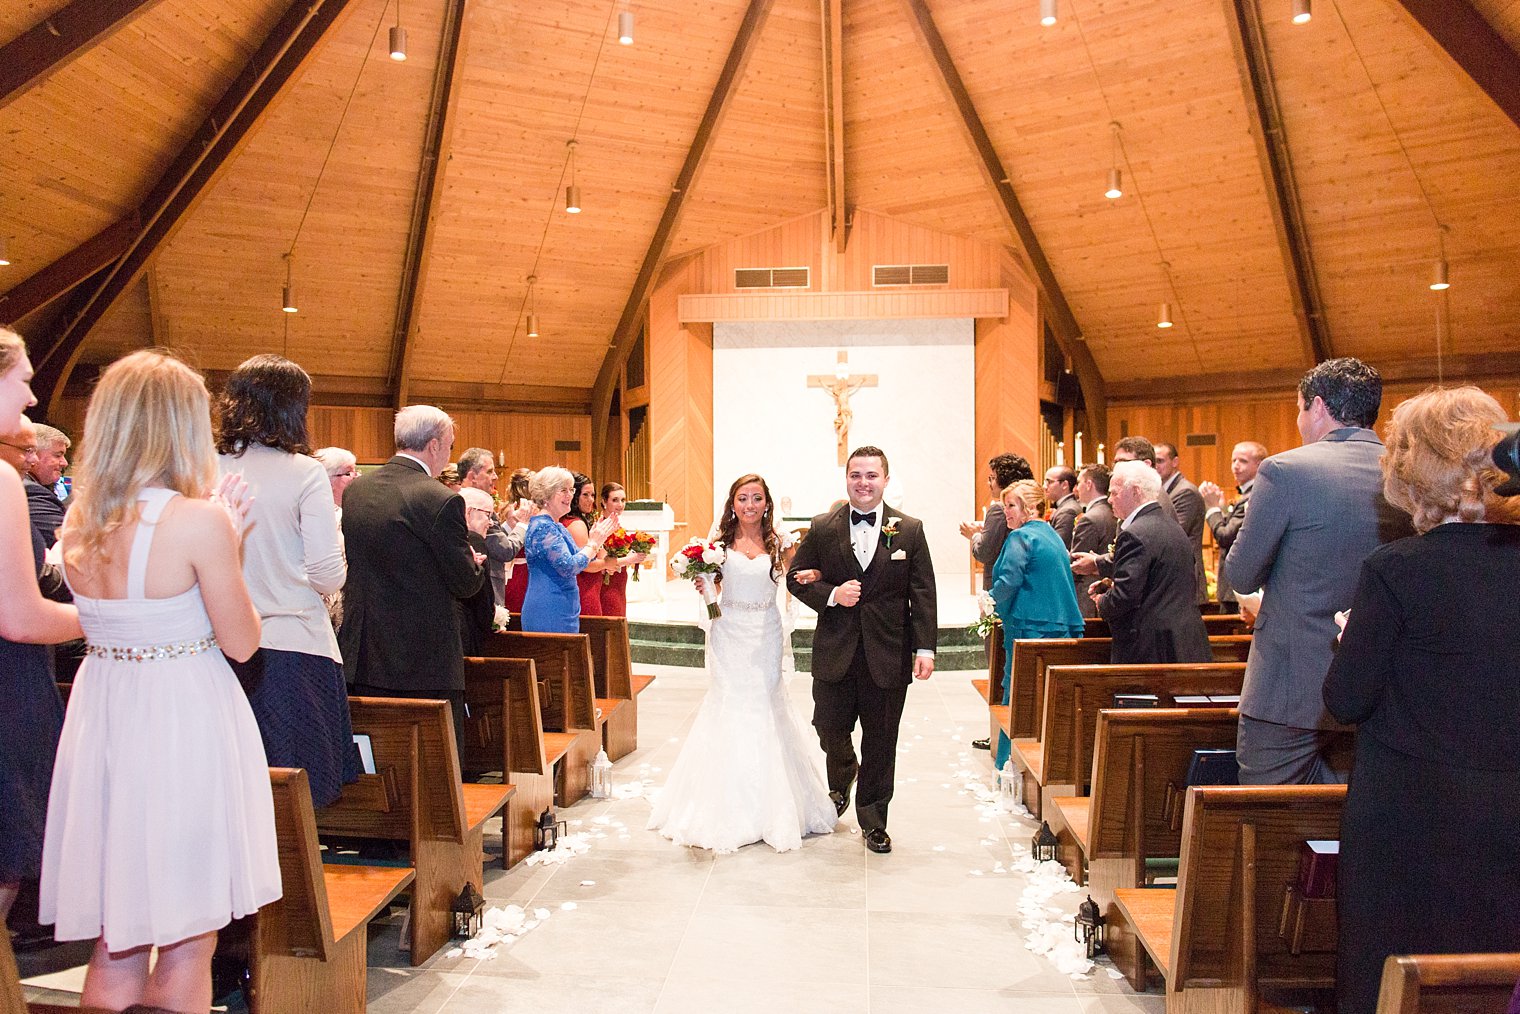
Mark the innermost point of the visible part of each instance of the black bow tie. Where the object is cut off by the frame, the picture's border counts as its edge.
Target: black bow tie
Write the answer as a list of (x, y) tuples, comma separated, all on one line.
[(857, 518)]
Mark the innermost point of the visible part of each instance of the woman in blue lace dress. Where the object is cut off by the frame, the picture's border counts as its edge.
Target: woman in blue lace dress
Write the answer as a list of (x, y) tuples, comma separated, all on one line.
[(553, 602)]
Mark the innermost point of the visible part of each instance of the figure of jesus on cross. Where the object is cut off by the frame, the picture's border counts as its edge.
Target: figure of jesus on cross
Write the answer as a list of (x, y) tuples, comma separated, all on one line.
[(841, 384)]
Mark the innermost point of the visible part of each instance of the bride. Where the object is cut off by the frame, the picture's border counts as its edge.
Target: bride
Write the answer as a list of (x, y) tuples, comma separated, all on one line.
[(747, 772)]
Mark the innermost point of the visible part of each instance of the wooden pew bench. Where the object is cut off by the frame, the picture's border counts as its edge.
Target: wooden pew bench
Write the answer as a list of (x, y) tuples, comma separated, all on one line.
[(505, 732), (1216, 624), (612, 664), (1215, 939), (1140, 757), (563, 663), (1059, 761), (1448, 983), (417, 796)]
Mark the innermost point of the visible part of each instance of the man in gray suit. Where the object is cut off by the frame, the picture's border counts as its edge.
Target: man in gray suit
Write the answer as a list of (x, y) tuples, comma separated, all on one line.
[(1096, 527), (987, 537), (1225, 520), (1061, 494), (503, 541), (1316, 512), (1189, 503)]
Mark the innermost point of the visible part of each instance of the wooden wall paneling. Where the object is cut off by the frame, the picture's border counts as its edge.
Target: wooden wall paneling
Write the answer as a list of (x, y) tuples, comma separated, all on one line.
[(1007, 380), (680, 408), (523, 440)]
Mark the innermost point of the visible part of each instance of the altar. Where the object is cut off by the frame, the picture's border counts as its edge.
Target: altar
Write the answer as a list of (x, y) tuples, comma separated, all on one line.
[(657, 519)]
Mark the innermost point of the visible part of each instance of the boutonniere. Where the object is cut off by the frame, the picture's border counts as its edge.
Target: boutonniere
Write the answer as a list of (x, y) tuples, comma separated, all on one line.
[(889, 530)]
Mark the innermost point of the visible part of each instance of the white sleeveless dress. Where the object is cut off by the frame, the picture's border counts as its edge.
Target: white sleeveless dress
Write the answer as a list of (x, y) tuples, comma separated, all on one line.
[(748, 771), (160, 821)]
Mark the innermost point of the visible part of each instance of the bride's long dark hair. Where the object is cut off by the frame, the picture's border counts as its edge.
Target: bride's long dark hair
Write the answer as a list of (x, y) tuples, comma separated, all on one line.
[(728, 525)]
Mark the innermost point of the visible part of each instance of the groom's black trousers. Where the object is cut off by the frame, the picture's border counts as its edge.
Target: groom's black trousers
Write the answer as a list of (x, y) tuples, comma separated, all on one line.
[(836, 709)]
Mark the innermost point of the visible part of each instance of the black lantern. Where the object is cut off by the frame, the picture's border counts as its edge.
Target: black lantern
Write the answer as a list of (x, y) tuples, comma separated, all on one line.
[(1089, 927), (1045, 845), (546, 834), (468, 910)]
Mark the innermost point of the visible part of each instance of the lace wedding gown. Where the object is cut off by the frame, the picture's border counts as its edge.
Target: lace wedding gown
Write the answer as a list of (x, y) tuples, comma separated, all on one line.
[(748, 771)]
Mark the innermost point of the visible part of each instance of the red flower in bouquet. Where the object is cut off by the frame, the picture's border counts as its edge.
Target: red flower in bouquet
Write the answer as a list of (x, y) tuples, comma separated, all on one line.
[(618, 545)]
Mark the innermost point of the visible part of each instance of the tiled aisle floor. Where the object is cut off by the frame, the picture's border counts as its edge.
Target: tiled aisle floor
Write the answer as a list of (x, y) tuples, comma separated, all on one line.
[(827, 928)]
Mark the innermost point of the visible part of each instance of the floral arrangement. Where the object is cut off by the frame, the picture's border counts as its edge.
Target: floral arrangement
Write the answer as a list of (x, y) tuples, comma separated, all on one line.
[(621, 543), (889, 530), (643, 542), (989, 620), (700, 556)]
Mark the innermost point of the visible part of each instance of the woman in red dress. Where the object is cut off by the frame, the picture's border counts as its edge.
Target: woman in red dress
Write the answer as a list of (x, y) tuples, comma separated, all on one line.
[(615, 590), (578, 521), (517, 580)]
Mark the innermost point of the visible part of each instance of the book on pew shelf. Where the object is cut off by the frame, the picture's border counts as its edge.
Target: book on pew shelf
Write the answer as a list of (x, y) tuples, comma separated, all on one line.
[(1228, 700), (1213, 767), (366, 753), (1192, 700), (1123, 700), (1316, 868)]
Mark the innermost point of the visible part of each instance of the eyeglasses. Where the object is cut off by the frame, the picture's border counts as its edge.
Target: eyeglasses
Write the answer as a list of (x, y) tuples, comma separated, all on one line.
[(477, 510), (20, 447), (349, 474)]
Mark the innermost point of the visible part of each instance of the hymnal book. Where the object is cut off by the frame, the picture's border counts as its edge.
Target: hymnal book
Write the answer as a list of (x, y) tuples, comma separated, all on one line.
[(1122, 700), (1316, 868), (1228, 700), (1213, 767), (1191, 700), (366, 753)]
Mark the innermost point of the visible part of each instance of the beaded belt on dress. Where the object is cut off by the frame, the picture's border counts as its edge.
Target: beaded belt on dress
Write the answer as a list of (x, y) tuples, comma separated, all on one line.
[(156, 653), (748, 607)]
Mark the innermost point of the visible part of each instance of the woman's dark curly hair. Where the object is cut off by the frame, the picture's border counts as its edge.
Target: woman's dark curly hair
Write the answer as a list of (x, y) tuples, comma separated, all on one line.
[(581, 482), (265, 404)]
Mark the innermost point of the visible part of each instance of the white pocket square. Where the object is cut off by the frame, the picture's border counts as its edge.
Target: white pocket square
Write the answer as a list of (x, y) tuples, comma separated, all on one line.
[(901, 554)]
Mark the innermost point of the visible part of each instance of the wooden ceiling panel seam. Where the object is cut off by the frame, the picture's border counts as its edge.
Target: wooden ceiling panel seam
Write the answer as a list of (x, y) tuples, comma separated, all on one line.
[(59, 39)]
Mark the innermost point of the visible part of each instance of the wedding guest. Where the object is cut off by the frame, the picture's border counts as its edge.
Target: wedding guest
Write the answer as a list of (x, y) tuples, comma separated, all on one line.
[(1031, 583), (46, 468), (615, 577), (342, 468), (292, 556), (160, 822), (1429, 672), (517, 576), (987, 538), (450, 478), (33, 713), (504, 536), (578, 521), (553, 602), (477, 611)]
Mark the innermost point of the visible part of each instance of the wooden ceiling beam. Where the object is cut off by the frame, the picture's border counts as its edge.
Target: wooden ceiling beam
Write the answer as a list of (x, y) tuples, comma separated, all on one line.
[(58, 40), (659, 244), (60, 277), (436, 150), (266, 77), (833, 118), (1263, 114), (1066, 329), (1471, 42)]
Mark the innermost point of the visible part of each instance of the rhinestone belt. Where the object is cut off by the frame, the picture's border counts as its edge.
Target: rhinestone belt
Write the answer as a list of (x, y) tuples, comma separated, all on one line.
[(157, 653), (746, 607)]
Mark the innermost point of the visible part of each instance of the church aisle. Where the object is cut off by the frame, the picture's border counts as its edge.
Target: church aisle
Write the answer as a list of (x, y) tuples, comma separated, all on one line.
[(655, 927)]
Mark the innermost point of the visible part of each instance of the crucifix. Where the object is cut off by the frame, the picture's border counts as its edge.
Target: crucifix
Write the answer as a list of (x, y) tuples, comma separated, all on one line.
[(841, 384)]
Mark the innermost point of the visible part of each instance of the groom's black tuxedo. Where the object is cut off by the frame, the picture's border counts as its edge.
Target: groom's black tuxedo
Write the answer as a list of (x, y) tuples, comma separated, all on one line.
[(863, 654)]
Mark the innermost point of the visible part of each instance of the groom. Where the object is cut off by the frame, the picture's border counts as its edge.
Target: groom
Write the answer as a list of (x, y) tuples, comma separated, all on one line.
[(876, 634)]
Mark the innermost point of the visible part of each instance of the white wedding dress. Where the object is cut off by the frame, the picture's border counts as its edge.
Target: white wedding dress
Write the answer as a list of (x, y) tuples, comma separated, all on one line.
[(748, 771)]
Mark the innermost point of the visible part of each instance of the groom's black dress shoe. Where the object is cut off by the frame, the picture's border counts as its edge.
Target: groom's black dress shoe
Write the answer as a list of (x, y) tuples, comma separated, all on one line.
[(877, 840), (981, 744), (841, 801)]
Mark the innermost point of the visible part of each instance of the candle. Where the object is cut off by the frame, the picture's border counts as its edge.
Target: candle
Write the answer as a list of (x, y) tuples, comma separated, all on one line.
[(1060, 453), (1100, 455), (1077, 457)]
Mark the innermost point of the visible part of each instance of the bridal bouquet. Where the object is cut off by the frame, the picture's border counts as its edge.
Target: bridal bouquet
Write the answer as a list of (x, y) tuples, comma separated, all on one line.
[(699, 556), (643, 542), (618, 545)]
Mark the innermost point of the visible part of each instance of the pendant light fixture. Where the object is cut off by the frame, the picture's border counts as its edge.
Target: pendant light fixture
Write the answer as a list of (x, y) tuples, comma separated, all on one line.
[(532, 307), (398, 37), (1164, 319), (1302, 12), (625, 27), (1048, 12), (287, 298), (572, 192), (1115, 176), (5, 251), (1439, 279)]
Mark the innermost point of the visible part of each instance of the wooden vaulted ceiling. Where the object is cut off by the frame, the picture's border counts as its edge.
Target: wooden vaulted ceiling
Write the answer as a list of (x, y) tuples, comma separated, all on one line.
[(1287, 187)]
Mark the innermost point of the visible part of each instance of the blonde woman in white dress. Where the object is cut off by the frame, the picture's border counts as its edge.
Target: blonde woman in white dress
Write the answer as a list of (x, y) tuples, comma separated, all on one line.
[(747, 772)]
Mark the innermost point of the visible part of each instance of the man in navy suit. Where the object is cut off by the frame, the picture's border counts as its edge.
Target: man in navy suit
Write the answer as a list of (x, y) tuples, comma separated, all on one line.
[(865, 569)]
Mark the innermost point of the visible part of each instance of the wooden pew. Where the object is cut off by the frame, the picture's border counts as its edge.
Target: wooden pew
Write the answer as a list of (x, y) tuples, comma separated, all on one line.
[(1216, 624), (306, 952), (1059, 761), (505, 731), (991, 688), (12, 1000), (612, 664), (564, 666), (1140, 757), (1215, 939), (1448, 983), (417, 797)]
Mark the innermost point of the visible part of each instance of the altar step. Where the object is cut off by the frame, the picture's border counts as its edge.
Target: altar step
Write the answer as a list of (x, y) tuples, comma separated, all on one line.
[(684, 644)]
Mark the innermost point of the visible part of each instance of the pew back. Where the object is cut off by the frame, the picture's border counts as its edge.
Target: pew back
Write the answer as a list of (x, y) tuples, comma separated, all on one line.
[(564, 662), (1448, 983), (416, 739)]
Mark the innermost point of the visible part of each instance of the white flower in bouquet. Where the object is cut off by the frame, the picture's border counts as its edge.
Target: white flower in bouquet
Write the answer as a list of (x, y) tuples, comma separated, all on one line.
[(713, 554), (678, 564)]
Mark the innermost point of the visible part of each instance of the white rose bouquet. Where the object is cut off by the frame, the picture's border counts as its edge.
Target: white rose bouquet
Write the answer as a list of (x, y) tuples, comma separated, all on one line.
[(699, 556)]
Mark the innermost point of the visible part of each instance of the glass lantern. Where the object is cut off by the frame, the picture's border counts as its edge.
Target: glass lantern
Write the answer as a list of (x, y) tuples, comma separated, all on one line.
[(547, 834), (1089, 926), (1045, 846), (468, 910)]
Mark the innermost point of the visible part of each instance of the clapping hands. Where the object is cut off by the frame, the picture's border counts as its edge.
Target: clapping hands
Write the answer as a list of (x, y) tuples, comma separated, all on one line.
[(1212, 495), (231, 494)]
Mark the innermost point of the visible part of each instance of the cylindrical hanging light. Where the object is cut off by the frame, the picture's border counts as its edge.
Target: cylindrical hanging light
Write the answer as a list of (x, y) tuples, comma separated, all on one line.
[(625, 27), (1438, 278), (572, 192), (1115, 177), (1302, 12), (532, 307), (1165, 317), (398, 37), (5, 251), (287, 297), (1047, 12)]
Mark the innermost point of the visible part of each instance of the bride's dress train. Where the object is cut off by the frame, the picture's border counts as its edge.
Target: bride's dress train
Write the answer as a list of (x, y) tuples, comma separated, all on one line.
[(748, 771)]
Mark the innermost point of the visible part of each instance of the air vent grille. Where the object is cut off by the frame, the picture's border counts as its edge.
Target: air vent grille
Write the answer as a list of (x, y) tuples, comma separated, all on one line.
[(771, 278), (910, 274), (1201, 439)]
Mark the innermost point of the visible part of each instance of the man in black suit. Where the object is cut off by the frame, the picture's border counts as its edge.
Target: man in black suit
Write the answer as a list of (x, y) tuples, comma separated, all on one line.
[(1060, 493), (1150, 608), (1190, 509), (409, 558), (44, 470), (1095, 528), (865, 569), (987, 538), (477, 470), (1225, 520)]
